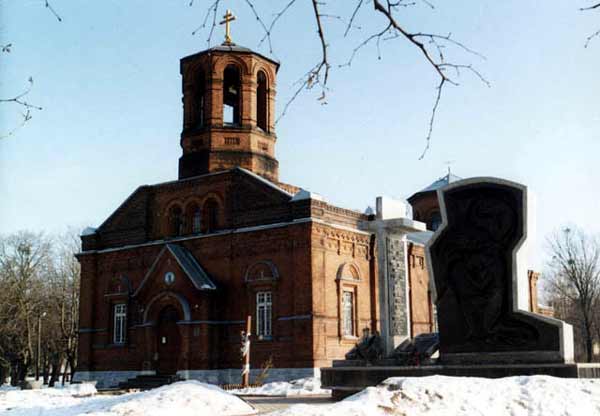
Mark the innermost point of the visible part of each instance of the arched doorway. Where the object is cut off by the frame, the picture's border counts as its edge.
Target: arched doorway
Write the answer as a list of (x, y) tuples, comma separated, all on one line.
[(169, 340)]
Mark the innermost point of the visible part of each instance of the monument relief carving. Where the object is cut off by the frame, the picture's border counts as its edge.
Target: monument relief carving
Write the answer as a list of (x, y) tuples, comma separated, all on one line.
[(473, 259)]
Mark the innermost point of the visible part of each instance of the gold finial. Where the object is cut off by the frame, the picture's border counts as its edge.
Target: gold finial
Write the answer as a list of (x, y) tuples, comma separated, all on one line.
[(229, 17)]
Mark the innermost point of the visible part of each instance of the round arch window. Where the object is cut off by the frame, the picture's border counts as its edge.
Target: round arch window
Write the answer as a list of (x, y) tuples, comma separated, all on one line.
[(169, 278)]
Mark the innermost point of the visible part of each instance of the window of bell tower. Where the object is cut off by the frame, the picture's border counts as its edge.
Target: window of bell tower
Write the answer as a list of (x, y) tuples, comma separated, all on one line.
[(199, 98), (231, 96), (261, 101)]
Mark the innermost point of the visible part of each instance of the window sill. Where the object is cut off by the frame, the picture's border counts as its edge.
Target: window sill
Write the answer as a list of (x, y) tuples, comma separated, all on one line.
[(262, 338), (123, 345)]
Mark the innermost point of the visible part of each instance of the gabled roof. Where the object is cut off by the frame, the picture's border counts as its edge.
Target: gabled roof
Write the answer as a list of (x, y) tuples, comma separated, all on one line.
[(189, 265)]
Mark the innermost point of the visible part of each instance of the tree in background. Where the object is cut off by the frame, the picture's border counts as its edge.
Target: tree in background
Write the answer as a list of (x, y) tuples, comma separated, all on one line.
[(574, 281), (39, 303)]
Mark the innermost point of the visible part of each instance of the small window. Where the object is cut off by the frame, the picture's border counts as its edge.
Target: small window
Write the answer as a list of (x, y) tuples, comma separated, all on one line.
[(196, 220), (263, 314), (261, 101), (120, 323), (231, 96), (199, 101), (176, 220), (348, 314), (210, 212)]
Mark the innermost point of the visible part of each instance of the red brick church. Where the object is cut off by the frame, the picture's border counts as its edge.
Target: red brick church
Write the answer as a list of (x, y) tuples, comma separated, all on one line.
[(168, 280)]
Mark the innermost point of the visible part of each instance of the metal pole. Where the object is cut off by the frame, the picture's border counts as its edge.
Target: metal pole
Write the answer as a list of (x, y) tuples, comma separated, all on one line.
[(39, 348), (246, 352)]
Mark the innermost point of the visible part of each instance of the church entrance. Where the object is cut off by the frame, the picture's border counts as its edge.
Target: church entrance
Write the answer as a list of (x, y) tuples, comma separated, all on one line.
[(169, 340)]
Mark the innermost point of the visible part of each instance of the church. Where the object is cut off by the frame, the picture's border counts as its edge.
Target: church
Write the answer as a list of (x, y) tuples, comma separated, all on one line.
[(170, 278)]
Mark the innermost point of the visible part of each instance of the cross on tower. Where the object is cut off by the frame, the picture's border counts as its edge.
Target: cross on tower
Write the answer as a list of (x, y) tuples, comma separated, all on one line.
[(229, 17)]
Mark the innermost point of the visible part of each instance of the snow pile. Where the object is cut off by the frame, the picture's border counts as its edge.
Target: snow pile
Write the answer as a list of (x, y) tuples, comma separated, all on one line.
[(182, 399), (439, 396), (301, 387)]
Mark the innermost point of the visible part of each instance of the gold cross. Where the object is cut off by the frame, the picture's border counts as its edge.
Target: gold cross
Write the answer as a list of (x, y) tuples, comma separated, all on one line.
[(229, 17)]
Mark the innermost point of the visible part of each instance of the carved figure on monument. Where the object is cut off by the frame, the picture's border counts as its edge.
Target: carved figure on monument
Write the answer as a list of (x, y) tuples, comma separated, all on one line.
[(473, 260)]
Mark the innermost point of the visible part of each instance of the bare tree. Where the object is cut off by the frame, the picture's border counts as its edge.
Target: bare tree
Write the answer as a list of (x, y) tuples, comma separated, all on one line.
[(65, 299), (431, 46), (23, 263), (19, 100), (594, 6), (574, 275)]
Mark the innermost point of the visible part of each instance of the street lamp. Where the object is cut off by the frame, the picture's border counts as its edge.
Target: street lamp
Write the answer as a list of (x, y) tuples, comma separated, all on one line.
[(39, 346)]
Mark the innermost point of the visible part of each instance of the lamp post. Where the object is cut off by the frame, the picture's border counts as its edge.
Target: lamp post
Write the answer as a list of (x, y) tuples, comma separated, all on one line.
[(39, 346)]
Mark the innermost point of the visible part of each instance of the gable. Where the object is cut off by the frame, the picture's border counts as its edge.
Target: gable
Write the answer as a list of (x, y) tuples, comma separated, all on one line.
[(187, 263), (251, 191), (128, 223)]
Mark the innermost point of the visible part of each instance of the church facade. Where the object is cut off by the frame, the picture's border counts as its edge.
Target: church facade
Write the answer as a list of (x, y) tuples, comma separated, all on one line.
[(169, 279)]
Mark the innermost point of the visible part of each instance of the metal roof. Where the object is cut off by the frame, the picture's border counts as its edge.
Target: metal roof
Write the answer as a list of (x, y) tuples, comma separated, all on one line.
[(231, 48), (191, 267), (440, 183)]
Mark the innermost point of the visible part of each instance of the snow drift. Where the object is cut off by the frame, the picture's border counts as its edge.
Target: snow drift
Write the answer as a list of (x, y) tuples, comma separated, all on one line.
[(182, 399), (442, 396)]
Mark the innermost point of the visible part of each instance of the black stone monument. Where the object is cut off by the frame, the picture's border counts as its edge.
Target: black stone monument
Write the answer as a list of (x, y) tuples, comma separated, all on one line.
[(473, 261), (476, 262)]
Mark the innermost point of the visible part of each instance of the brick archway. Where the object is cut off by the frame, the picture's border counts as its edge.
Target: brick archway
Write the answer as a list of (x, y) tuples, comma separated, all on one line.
[(171, 354)]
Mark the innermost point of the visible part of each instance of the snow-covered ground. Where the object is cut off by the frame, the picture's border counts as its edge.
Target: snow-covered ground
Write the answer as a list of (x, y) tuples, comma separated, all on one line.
[(462, 396), (180, 399), (425, 396), (301, 387)]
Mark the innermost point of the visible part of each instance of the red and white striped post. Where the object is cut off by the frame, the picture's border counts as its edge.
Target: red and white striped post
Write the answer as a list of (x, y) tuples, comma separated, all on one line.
[(246, 352)]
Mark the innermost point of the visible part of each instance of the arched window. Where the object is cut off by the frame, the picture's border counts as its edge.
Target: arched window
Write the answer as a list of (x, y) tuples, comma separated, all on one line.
[(176, 221), (210, 214), (199, 98), (195, 218), (231, 96), (261, 101)]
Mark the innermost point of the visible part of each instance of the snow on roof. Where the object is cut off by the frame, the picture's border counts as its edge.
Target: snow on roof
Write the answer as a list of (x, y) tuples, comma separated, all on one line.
[(304, 194), (265, 181), (440, 183), (88, 231)]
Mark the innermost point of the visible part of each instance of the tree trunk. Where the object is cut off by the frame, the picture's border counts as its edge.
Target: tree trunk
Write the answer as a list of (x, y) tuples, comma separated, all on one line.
[(589, 339), (72, 362), (14, 373), (55, 372), (22, 368), (64, 373), (3, 375)]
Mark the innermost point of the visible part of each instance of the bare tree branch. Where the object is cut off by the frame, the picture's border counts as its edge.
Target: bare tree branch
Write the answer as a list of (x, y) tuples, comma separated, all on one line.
[(274, 21), (49, 6), (430, 45), (596, 33), (354, 13), (27, 106), (212, 9), (595, 6)]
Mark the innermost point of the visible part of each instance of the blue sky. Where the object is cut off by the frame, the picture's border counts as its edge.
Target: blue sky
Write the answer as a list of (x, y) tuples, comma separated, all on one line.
[(108, 80)]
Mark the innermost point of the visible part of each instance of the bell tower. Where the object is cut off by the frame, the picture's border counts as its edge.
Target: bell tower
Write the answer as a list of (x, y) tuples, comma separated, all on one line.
[(228, 111)]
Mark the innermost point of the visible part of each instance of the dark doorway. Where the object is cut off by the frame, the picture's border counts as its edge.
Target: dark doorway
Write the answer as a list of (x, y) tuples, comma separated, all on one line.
[(169, 341)]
